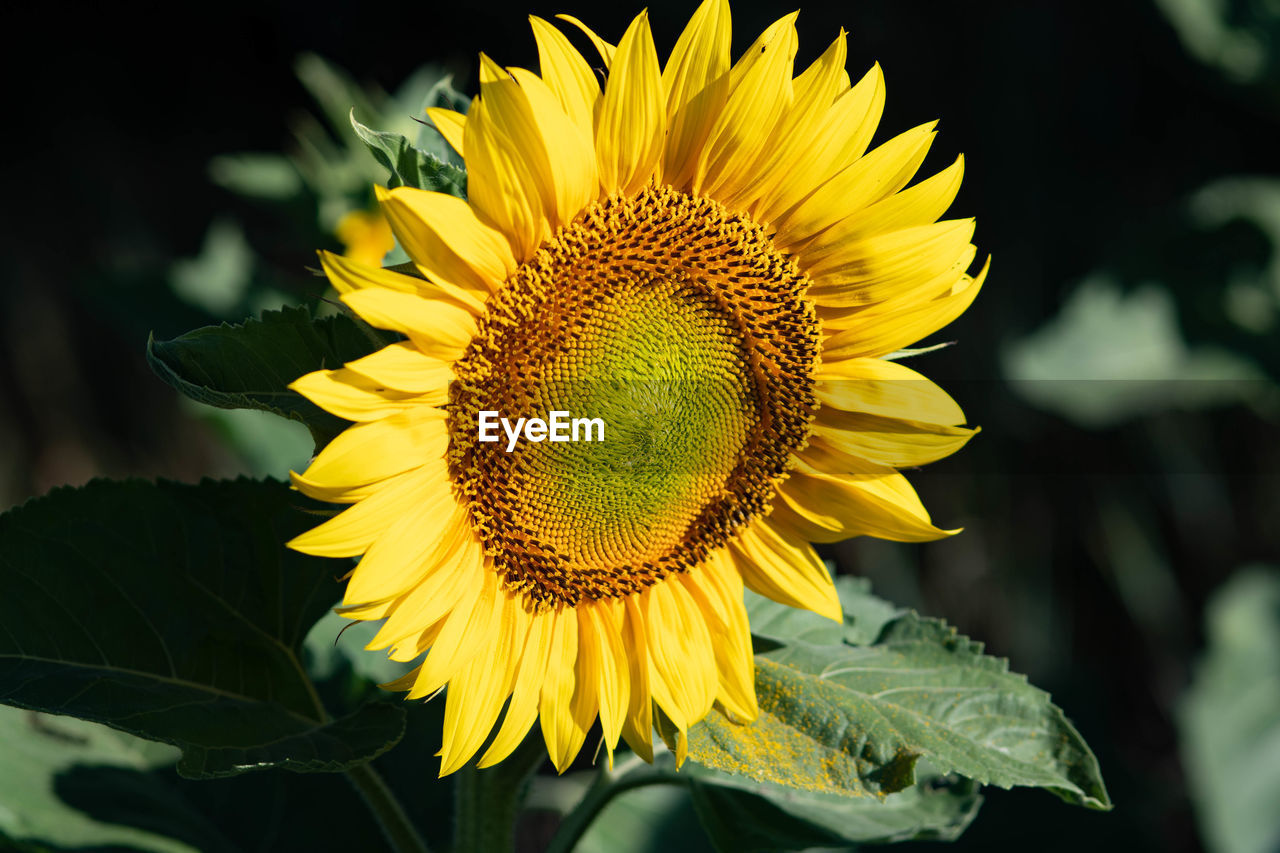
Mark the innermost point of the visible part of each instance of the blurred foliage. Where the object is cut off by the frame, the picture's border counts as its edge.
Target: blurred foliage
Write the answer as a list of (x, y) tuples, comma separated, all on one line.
[(1110, 357), (328, 170), (329, 167), (1235, 36), (40, 750), (1230, 717)]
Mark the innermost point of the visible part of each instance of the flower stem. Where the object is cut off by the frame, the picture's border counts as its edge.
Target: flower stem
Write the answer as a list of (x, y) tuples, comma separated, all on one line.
[(489, 801), (400, 833), (608, 786)]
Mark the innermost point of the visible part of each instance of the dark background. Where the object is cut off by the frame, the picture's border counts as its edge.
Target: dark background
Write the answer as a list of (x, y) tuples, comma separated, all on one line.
[(1090, 549)]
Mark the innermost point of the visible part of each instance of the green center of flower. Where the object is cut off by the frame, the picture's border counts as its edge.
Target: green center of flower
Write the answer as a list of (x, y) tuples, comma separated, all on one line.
[(676, 343)]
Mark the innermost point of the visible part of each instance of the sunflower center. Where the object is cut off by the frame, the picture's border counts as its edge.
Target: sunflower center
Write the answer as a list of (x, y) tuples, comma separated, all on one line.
[(678, 325)]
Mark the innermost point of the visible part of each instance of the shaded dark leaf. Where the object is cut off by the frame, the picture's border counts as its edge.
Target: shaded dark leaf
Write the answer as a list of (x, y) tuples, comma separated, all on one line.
[(250, 365), (176, 613), (937, 808)]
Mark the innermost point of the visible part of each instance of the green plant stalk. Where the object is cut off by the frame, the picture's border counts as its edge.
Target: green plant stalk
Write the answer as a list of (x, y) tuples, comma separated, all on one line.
[(400, 832), (395, 824), (606, 787), (489, 801)]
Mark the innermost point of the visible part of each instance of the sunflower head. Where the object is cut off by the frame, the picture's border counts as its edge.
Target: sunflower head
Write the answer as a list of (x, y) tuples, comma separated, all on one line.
[(702, 267)]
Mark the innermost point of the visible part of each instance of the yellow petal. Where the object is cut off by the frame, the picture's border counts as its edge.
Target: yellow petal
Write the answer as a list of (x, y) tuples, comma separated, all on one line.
[(470, 626), (637, 731), (331, 494), (567, 73), (532, 138), (452, 126), (570, 154), (869, 500), (917, 205), (903, 257), (825, 80), (885, 413), (759, 92), (632, 117), (476, 694), (696, 81), (560, 728), (777, 563), (353, 396), (890, 278), (438, 328), (505, 186), (446, 240), (413, 649), (414, 545), (717, 587), (447, 574), (403, 367), (403, 683), (881, 481), (585, 706), (841, 138), (347, 275), (890, 326), (522, 710), (682, 666), (599, 627), (871, 178), (606, 50), (888, 388), (368, 452), (353, 530), (896, 442), (793, 136)]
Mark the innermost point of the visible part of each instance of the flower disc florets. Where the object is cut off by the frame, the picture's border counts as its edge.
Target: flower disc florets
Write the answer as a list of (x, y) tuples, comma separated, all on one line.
[(678, 323)]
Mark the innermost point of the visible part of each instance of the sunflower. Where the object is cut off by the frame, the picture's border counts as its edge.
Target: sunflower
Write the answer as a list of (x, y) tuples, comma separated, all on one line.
[(706, 258)]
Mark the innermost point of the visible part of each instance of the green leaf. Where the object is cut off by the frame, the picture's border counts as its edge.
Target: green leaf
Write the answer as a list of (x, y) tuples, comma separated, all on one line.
[(279, 812), (250, 365), (442, 95), (446, 97), (324, 748), (175, 613), (634, 806), (1229, 720), (774, 625), (740, 819), (841, 714), (410, 166), (41, 753)]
